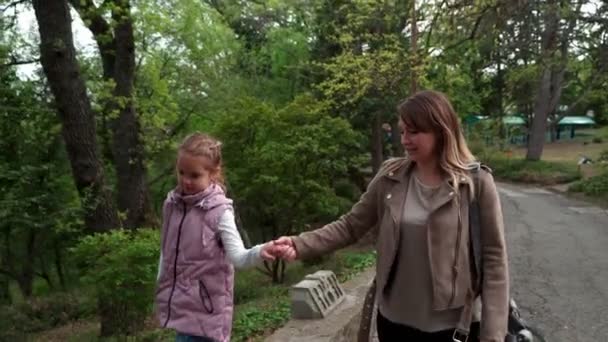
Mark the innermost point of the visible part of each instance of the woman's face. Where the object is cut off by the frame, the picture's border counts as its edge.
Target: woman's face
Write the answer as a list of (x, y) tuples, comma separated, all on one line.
[(420, 146)]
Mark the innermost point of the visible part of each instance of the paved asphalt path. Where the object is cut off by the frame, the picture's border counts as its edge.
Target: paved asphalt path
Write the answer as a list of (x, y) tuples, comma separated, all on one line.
[(558, 253)]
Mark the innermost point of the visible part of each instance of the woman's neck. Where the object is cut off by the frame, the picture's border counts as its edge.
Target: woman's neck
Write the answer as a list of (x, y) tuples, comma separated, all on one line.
[(428, 173)]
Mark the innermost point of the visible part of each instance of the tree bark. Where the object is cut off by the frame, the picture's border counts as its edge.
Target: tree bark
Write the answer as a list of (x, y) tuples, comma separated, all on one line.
[(414, 51), (376, 142), (552, 79), (58, 59), (59, 265), (25, 278), (117, 49), (128, 149), (396, 139), (5, 295), (543, 97)]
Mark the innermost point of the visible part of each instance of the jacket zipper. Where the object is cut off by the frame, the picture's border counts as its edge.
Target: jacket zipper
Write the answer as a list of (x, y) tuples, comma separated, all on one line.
[(179, 235), (455, 265)]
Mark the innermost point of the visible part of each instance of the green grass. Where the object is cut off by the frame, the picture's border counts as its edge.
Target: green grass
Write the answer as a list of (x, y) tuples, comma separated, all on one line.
[(596, 187), (540, 172)]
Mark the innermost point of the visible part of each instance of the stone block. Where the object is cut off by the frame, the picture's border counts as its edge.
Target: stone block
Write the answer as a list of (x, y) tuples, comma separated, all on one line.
[(316, 296)]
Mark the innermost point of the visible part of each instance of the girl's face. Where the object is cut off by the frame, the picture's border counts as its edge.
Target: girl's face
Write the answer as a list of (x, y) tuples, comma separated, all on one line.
[(192, 175), (420, 146)]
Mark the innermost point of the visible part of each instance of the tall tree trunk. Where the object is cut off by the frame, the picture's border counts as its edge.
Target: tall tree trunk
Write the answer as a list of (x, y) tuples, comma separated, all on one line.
[(542, 104), (117, 49), (59, 265), (128, 149), (396, 139), (44, 272), (58, 59), (414, 51), (539, 122), (377, 149), (5, 294), (554, 69), (26, 276)]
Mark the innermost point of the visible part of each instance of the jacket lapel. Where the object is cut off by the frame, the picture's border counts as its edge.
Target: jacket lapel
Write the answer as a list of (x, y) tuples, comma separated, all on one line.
[(397, 191)]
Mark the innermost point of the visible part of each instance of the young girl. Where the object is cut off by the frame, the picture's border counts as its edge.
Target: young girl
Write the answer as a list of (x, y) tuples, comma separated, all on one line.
[(199, 246)]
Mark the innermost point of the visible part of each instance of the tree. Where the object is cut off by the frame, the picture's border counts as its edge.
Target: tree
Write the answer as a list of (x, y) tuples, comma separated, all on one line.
[(38, 200), (289, 166), (116, 43), (553, 61), (364, 82), (59, 63)]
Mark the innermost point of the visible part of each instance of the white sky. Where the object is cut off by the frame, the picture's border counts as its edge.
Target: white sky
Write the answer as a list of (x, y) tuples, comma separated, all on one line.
[(26, 24)]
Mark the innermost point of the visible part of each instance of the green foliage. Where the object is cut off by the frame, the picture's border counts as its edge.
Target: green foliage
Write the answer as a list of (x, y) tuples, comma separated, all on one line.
[(251, 320), (596, 186), (43, 313), (121, 266), (39, 206), (353, 263), (521, 170), (283, 163), (603, 157), (267, 308)]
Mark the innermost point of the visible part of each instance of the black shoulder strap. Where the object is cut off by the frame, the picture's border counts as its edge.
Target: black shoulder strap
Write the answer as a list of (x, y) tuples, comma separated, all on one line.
[(475, 231)]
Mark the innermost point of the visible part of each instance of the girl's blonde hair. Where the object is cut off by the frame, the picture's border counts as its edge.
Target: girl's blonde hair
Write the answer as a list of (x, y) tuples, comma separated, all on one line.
[(431, 111), (203, 145)]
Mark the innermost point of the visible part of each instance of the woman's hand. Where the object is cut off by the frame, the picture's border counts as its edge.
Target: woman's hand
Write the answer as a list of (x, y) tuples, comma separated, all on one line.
[(282, 248), (286, 248)]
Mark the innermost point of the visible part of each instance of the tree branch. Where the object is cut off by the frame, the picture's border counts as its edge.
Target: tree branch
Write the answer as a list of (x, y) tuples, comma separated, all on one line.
[(102, 32), (473, 33), (13, 4), (14, 62), (8, 274), (88, 11), (432, 25), (163, 174)]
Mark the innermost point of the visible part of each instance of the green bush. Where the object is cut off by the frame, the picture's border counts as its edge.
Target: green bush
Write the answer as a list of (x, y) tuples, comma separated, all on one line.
[(43, 313), (527, 171), (257, 318), (596, 186), (121, 266), (597, 140), (603, 157)]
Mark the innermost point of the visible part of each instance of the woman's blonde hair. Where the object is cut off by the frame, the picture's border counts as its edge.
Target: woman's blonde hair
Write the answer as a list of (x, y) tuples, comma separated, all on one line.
[(203, 145), (431, 111)]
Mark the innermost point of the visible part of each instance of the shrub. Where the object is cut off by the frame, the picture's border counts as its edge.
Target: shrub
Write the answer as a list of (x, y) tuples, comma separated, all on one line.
[(603, 157), (121, 266), (43, 313), (542, 172), (596, 186)]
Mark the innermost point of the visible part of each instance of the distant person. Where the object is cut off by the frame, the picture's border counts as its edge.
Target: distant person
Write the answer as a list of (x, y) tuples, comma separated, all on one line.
[(199, 246), (425, 283)]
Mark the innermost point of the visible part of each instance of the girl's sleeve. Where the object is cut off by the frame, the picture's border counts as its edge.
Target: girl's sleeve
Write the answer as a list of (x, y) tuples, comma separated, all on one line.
[(160, 265), (236, 252)]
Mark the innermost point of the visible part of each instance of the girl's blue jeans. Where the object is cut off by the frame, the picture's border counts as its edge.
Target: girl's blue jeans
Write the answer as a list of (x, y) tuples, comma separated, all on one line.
[(188, 338)]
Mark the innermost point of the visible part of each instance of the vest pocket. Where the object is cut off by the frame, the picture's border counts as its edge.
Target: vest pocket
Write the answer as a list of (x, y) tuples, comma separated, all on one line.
[(205, 297)]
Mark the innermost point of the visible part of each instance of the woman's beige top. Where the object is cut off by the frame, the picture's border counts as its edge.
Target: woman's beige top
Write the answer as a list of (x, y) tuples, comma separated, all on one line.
[(408, 299)]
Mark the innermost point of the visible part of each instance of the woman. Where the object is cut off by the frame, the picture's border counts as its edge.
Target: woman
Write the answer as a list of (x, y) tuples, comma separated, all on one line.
[(419, 204)]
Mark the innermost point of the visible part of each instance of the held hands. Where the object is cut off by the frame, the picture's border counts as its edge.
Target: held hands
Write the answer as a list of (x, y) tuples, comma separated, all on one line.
[(282, 248)]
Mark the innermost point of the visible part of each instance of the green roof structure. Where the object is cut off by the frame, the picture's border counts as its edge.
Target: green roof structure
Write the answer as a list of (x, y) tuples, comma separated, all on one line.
[(576, 121)]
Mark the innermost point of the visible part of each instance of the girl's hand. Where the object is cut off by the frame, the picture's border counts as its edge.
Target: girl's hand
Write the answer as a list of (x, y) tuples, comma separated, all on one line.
[(268, 251)]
